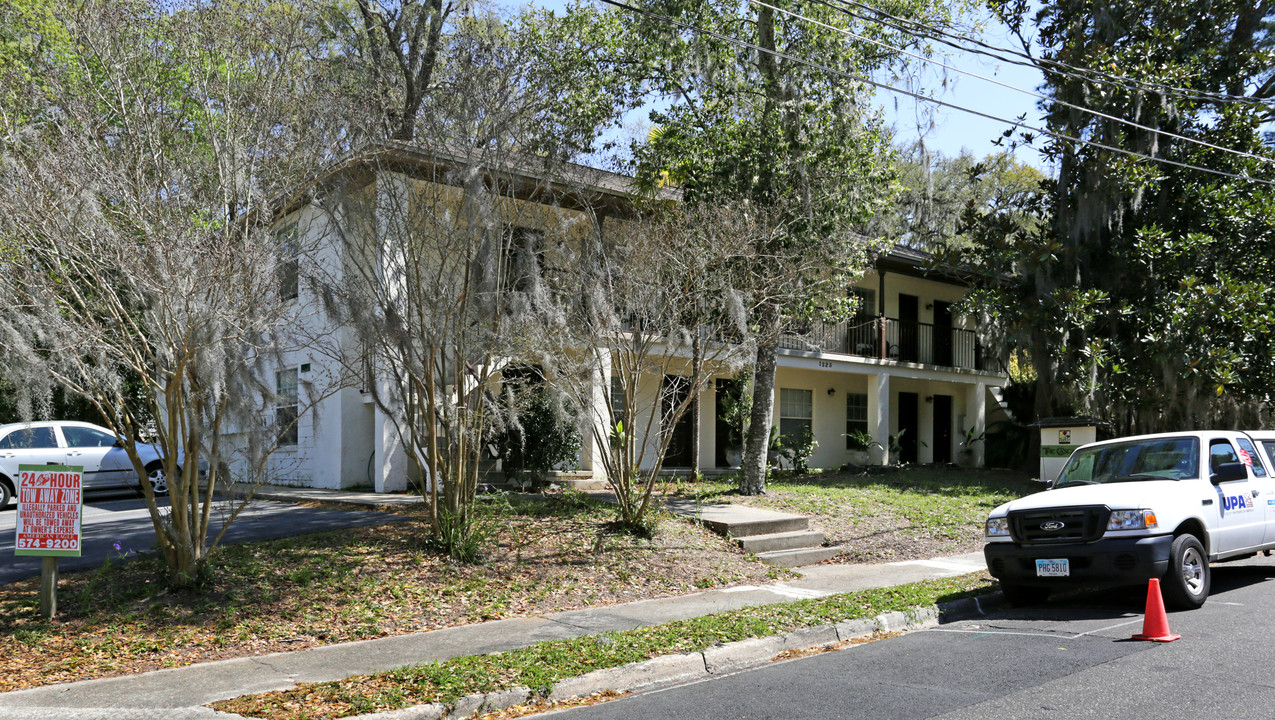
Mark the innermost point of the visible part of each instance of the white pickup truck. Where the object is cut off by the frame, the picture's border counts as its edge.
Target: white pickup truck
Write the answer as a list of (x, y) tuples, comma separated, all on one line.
[(1134, 508)]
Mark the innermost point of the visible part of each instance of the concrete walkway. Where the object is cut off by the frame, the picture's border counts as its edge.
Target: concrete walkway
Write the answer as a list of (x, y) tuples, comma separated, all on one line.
[(351, 497), (178, 693)]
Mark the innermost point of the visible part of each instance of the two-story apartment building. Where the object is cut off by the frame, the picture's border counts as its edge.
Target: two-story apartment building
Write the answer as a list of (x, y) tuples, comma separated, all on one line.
[(906, 367)]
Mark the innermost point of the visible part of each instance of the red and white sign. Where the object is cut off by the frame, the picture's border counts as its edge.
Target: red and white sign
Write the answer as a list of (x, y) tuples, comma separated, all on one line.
[(50, 510), (1246, 458)]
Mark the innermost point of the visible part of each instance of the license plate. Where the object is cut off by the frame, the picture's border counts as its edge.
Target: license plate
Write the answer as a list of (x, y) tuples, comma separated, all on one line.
[(1053, 568)]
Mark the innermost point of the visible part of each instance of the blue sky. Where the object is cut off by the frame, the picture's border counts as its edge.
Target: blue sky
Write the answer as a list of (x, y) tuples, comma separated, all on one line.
[(951, 131)]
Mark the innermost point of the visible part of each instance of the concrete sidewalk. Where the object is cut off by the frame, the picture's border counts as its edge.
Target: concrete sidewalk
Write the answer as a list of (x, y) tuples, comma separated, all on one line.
[(352, 497), (179, 692)]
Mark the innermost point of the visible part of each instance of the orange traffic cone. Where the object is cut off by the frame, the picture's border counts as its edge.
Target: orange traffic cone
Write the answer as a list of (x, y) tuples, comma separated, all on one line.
[(1155, 625)]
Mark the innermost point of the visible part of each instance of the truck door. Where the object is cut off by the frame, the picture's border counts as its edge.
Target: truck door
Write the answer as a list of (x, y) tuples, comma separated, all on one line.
[(1241, 522), (1264, 482)]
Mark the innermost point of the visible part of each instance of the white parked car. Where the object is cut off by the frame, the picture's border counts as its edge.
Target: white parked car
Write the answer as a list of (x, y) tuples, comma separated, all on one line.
[(1134, 508), (99, 451)]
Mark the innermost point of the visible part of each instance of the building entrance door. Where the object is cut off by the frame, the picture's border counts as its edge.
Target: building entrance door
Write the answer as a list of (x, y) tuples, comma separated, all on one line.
[(942, 440), (909, 427)]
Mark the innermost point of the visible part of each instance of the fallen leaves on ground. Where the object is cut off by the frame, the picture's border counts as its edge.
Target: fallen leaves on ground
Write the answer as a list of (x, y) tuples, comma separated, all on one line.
[(311, 590)]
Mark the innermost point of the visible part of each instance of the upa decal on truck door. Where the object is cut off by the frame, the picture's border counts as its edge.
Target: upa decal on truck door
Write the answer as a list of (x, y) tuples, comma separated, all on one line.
[(1237, 503)]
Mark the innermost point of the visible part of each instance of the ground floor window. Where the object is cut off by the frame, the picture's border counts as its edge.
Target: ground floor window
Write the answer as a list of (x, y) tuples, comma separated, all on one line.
[(617, 399), (796, 409), (285, 411), (856, 417)]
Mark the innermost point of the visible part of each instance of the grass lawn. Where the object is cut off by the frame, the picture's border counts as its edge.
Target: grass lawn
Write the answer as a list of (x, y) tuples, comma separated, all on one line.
[(889, 515), (541, 665)]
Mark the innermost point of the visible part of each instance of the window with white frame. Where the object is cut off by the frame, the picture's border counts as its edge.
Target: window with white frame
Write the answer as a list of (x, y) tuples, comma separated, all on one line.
[(796, 412), (856, 417), (285, 410), (289, 269), (617, 399)]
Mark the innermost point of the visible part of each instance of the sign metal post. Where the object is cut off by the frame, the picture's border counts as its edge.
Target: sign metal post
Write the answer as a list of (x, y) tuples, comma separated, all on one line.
[(49, 522)]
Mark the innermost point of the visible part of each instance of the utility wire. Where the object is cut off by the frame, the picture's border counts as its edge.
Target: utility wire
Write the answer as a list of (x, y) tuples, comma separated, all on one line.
[(917, 96), (1064, 103), (1057, 66)]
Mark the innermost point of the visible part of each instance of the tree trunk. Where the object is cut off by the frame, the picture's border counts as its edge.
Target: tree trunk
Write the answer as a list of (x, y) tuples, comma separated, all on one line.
[(697, 372), (753, 478)]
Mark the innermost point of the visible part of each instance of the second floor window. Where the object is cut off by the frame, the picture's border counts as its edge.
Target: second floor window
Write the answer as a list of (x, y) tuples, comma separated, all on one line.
[(288, 270), (522, 256)]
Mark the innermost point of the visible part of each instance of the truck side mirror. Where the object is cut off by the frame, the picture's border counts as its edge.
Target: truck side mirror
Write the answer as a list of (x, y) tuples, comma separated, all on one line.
[(1227, 472)]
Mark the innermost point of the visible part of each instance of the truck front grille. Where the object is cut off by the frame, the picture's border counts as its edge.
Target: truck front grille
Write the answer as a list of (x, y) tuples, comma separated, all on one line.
[(1049, 526)]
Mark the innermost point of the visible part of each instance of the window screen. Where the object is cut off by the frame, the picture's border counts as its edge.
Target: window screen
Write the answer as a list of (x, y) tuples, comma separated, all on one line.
[(856, 416), (795, 413)]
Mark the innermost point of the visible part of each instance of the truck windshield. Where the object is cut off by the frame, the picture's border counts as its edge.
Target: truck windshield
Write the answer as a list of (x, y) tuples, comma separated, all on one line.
[(1150, 459)]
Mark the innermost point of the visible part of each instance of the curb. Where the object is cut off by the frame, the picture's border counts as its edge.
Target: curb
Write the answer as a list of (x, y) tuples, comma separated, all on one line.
[(714, 660)]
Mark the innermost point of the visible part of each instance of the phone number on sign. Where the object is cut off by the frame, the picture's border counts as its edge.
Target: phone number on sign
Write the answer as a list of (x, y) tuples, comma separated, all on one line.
[(48, 544)]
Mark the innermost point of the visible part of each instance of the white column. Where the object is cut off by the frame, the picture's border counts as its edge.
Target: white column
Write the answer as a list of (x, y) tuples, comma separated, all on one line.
[(879, 417), (594, 414), (389, 471), (976, 417), (925, 425)]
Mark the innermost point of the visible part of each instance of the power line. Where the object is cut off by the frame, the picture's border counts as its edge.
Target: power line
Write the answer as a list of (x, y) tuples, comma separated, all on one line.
[(1057, 66), (1064, 103), (923, 98)]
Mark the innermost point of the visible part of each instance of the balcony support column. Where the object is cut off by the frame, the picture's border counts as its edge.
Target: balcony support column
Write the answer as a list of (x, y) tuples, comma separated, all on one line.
[(595, 420), (976, 417), (879, 417)]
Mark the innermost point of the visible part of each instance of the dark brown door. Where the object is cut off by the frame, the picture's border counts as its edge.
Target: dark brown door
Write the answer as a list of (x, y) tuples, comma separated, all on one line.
[(942, 441), (674, 392), (909, 426), (908, 329), (942, 333), (725, 436)]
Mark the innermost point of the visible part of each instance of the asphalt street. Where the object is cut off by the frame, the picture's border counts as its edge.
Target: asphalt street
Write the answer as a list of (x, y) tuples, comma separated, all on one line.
[(122, 518), (1072, 658)]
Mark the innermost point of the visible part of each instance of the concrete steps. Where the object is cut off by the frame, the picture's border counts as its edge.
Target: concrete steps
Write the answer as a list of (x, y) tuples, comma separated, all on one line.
[(771, 542), (798, 557), (776, 538)]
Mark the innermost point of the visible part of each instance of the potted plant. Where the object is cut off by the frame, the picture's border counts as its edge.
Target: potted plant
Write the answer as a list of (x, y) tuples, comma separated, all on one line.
[(965, 457), (896, 446), (859, 444)]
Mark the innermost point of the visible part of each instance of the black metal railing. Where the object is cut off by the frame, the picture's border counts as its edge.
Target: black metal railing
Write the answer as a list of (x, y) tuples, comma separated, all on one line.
[(891, 339)]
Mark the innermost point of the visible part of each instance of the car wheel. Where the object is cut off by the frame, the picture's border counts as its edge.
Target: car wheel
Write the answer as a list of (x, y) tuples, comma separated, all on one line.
[(6, 492), (1024, 595), (158, 480), (1186, 584)]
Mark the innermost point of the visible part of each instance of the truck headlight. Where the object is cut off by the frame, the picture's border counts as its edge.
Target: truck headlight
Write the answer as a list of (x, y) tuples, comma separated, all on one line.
[(1131, 520), (997, 527)]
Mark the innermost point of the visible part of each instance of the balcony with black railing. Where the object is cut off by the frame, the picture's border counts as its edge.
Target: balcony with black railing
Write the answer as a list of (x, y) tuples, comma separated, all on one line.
[(891, 339)]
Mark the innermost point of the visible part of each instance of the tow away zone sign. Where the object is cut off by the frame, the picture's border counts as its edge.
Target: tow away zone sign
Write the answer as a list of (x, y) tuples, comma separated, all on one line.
[(50, 510)]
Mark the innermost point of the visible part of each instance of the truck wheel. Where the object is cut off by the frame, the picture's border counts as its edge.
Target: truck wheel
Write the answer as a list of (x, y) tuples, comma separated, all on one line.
[(1024, 595), (1186, 584)]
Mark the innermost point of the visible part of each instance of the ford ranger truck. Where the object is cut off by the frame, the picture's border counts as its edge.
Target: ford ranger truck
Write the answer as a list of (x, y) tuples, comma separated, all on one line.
[(1126, 510)]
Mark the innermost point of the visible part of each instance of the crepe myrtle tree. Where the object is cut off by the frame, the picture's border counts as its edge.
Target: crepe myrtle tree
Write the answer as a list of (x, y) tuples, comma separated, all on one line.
[(431, 270), (442, 250), (143, 276), (631, 299)]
